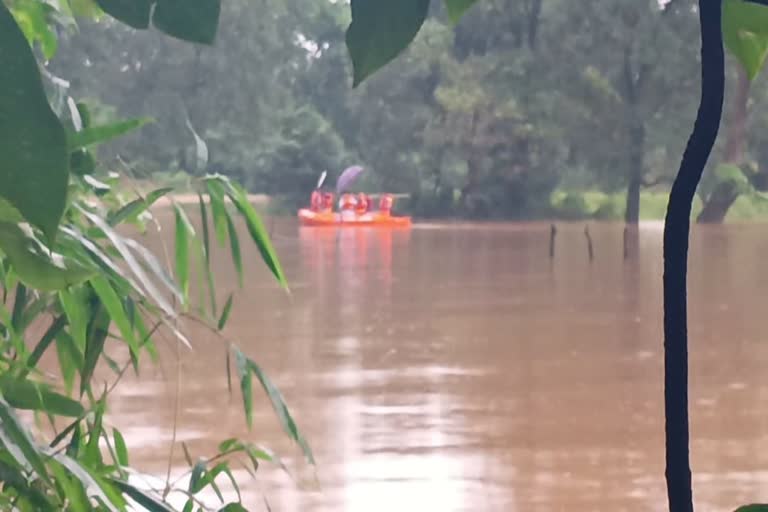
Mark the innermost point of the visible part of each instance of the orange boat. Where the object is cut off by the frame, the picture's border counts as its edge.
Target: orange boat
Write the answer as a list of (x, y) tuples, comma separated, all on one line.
[(309, 218), (354, 212)]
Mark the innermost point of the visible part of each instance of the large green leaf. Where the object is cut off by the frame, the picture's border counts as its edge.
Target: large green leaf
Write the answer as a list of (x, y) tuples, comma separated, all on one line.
[(190, 20), (457, 8), (134, 13), (34, 170), (32, 17), (35, 266), (745, 34), (25, 394), (380, 31), (753, 508)]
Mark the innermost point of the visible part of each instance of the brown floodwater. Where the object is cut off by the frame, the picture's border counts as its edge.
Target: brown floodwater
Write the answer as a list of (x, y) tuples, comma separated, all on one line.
[(457, 368)]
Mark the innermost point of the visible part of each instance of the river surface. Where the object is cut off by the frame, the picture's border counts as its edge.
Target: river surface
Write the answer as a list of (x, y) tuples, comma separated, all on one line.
[(457, 368)]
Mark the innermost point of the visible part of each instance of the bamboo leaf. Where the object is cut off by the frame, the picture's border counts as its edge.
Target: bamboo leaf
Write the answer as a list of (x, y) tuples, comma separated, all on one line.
[(14, 437), (143, 498), (136, 207), (120, 448), (183, 232), (93, 135), (25, 394), (258, 233), (225, 314), (246, 385), (281, 409), (114, 307)]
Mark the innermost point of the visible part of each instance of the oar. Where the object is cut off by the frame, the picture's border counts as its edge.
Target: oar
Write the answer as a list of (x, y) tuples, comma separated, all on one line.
[(321, 180)]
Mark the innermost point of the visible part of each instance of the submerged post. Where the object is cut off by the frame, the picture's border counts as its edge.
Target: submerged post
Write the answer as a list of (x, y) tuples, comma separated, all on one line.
[(626, 242), (552, 235), (590, 248)]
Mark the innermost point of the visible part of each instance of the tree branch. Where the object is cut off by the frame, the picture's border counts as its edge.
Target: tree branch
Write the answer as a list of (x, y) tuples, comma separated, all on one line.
[(676, 232)]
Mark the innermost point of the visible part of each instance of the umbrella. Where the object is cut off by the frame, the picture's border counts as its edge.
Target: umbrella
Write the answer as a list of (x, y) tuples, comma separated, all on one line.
[(347, 177)]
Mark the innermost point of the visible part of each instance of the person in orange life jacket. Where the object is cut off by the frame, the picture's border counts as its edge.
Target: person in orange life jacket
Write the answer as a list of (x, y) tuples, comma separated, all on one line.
[(385, 204), (363, 203), (327, 206), (316, 201), (347, 202)]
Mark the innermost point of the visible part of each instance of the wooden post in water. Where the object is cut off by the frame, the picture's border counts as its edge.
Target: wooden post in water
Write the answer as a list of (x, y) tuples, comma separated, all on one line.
[(590, 249), (626, 242), (552, 235)]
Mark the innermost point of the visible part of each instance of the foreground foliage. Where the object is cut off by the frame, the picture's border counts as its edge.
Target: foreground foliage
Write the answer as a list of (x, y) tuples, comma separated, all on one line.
[(67, 267)]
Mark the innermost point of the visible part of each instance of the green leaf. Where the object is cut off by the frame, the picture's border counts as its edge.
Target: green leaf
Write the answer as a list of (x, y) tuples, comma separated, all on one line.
[(457, 8), (190, 20), (225, 314), (281, 409), (51, 333), (745, 39), (137, 206), (246, 386), (183, 232), (753, 508), (143, 498), (120, 447), (380, 31), (74, 302), (34, 172), (81, 162), (134, 13), (114, 306), (95, 484), (14, 437), (33, 19), (94, 135), (219, 210), (74, 492), (258, 233), (70, 358), (98, 329), (234, 249), (197, 474), (25, 394), (35, 265), (207, 252), (233, 507)]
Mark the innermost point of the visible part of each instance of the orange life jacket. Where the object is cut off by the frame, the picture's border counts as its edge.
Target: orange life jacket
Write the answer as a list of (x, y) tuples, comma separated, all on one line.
[(348, 202), (385, 203), (363, 203), (328, 202), (316, 201)]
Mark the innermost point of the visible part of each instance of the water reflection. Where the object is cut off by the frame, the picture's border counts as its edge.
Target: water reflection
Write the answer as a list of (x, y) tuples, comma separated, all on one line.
[(457, 368)]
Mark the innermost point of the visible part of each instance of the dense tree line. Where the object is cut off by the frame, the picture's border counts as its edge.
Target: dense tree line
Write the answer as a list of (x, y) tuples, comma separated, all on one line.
[(484, 120)]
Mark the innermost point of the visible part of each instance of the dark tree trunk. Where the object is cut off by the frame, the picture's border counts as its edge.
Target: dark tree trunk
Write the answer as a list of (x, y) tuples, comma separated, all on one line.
[(534, 18), (725, 194), (676, 232), (635, 138), (636, 168)]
